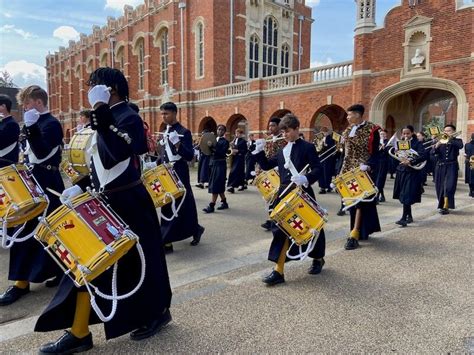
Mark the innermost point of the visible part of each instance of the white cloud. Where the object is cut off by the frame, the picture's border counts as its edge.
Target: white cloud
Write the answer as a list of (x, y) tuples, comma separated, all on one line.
[(119, 4), (312, 3), (66, 33), (7, 14), (318, 63), (25, 73), (18, 31)]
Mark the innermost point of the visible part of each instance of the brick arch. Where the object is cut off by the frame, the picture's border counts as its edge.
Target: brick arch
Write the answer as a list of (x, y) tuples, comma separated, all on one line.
[(208, 123), (330, 116), (233, 123), (278, 113), (140, 36)]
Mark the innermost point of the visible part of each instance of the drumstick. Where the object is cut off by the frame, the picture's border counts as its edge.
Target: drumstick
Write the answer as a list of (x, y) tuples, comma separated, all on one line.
[(302, 171), (53, 192)]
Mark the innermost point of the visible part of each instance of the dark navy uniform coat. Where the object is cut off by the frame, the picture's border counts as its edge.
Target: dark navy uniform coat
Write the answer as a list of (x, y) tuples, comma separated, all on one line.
[(218, 166)]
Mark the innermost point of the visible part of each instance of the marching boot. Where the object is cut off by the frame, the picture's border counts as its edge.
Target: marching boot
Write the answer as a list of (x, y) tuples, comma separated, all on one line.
[(201, 186), (210, 208), (197, 237), (231, 190), (316, 267), (267, 225), (223, 205), (402, 222)]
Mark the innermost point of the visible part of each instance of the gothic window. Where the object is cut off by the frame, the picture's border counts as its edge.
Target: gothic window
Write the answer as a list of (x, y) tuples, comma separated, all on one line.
[(164, 56), (141, 63), (285, 59), (270, 46), (199, 50), (253, 57), (120, 58), (103, 60)]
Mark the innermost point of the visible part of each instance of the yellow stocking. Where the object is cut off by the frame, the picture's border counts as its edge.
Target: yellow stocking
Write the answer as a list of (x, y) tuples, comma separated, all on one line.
[(280, 265), (80, 326), (446, 203), (355, 234), (22, 284)]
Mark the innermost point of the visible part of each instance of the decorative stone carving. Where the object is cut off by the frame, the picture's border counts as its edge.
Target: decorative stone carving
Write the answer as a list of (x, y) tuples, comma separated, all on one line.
[(418, 59)]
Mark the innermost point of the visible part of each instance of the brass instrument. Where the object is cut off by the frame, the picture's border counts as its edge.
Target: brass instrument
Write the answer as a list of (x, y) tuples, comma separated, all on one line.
[(230, 150), (405, 152), (319, 141), (445, 138), (338, 147)]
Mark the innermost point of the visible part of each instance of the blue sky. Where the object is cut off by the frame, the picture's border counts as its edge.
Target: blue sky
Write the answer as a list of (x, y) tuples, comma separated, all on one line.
[(29, 29)]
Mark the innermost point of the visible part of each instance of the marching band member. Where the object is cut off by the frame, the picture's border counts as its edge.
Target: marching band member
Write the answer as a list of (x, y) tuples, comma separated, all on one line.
[(447, 167), (421, 136), (28, 261), (179, 151), (218, 171), (84, 120), (237, 171), (250, 158), (118, 141), (9, 134), (361, 140), (328, 164), (408, 186), (469, 169), (273, 145), (291, 160), (382, 165), (203, 167)]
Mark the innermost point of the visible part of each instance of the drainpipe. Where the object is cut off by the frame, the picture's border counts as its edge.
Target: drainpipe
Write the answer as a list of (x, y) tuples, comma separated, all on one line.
[(300, 19), (231, 59), (182, 6)]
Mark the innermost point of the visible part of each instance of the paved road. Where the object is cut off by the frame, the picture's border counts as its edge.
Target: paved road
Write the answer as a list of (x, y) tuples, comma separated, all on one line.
[(405, 290)]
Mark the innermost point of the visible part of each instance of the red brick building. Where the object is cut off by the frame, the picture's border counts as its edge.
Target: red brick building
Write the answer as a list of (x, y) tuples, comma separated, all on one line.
[(239, 62)]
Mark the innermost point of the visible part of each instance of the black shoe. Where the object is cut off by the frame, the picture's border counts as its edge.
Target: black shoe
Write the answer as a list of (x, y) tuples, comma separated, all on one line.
[(444, 211), (329, 190), (197, 237), (401, 222), (13, 294), (341, 213), (267, 225), (316, 267), (168, 248), (381, 198), (274, 278), (351, 244), (210, 208), (224, 205), (68, 344), (53, 282), (201, 186), (241, 188), (152, 328), (231, 190), (409, 219), (322, 191)]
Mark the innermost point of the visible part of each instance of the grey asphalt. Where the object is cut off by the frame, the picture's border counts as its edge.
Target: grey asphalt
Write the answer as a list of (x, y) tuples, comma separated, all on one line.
[(405, 290)]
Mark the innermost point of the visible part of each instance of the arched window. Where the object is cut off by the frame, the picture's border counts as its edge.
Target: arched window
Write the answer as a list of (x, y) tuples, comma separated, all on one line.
[(285, 59), (199, 50), (164, 56), (104, 60), (270, 46), (140, 46), (253, 57), (120, 58)]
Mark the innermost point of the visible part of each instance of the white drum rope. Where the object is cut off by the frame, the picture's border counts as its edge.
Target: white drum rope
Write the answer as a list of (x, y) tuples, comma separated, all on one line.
[(173, 206)]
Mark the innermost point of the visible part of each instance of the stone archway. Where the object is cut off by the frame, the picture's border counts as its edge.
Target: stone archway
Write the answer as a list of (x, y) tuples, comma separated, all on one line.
[(424, 91), (234, 122), (332, 117), (208, 123), (279, 114)]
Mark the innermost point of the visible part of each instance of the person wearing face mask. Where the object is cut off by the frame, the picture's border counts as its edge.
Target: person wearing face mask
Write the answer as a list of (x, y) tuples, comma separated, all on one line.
[(28, 261), (218, 171), (291, 161), (447, 169), (361, 146), (469, 166), (408, 186), (118, 141)]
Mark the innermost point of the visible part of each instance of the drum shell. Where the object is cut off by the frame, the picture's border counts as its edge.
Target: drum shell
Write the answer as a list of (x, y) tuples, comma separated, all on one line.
[(268, 183), (78, 151), (354, 185), (161, 182)]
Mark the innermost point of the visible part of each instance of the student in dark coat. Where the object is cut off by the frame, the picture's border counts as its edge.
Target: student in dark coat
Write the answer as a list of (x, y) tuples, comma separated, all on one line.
[(178, 145), (203, 167), (382, 165), (408, 186), (329, 163), (421, 136), (9, 134), (237, 171), (218, 171), (250, 159), (469, 168), (120, 139), (28, 261), (447, 169), (299, 153)]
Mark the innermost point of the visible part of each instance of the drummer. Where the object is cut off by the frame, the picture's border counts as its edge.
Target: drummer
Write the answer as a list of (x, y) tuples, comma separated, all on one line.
[(361, 140), (28, 261), (290, 161), (120, 139)]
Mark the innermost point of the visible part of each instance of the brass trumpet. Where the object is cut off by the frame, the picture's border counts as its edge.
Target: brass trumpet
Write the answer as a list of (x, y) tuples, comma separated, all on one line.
[(445, 138)]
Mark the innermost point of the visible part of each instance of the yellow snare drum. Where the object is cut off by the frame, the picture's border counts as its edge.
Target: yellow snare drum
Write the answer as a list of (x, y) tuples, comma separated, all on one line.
[(21, 197), (77, 153), (268, 183), (355, 186), (163, 185), (69, 171), (86, 238), (299, 216)]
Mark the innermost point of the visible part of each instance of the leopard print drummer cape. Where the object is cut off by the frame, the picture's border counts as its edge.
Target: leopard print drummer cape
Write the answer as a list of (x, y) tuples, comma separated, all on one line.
[(359, 148)]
